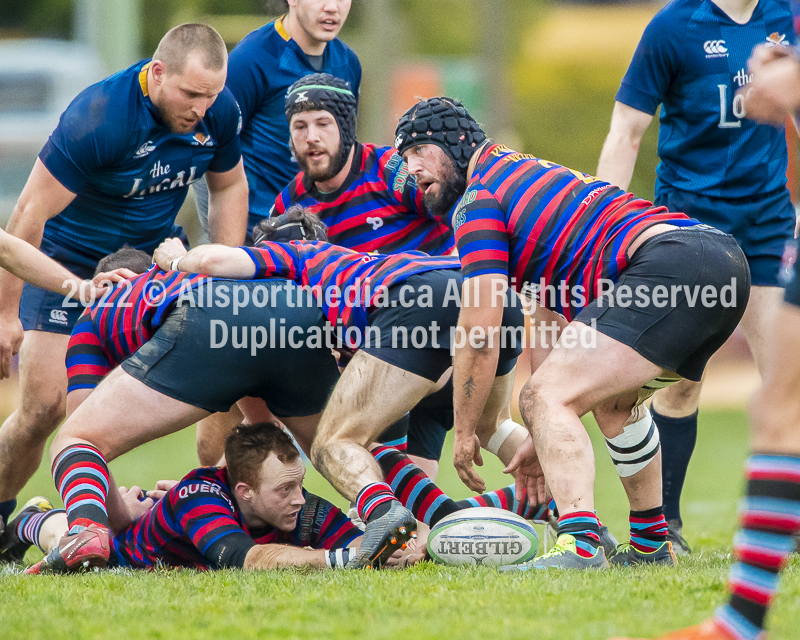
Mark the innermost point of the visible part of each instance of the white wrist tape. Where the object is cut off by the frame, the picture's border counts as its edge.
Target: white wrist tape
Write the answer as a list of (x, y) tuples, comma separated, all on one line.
[(501, 435), (174, 264), (635, 447), (337, 559)]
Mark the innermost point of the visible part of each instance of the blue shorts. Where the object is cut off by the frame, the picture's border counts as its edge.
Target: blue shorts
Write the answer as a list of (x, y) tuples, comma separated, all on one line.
[(42, 310), (761, 225)]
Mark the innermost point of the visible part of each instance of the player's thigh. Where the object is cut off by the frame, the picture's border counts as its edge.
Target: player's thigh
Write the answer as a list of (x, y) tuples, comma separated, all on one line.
[(583, 375), (43, 379), (370, 395), (123, 413)]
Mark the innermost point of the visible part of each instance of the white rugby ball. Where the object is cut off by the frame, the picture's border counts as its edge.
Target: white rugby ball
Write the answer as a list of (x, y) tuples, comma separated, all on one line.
[(482, 536)]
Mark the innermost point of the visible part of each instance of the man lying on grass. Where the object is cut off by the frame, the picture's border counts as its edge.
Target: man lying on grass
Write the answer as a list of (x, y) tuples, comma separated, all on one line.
[(251, 514)]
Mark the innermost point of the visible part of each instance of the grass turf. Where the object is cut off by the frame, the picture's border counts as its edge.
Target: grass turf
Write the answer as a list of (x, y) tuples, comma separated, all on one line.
[(426, 601)]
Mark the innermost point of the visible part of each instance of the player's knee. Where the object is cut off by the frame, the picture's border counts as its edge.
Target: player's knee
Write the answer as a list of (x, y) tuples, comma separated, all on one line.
[(40, 416), (636, 447), (681, 398), (773, 414), (538, 395)]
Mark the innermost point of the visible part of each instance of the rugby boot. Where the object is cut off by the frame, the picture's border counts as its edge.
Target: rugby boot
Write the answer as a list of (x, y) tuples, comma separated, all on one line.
[(564, 555), (607, 538), (12, 549), (383, 536), (675, 536), (626, 555), (82, 550), (708, 630)]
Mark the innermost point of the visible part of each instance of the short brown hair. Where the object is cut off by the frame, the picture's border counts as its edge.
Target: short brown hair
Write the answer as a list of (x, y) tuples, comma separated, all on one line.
[(248, 446), (125, 258), (180, 41)]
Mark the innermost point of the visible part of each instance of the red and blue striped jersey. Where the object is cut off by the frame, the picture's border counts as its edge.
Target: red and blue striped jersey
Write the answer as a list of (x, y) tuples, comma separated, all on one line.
[(120, 322), (540, 223), (345, 283), (185, 527), (378, 208)]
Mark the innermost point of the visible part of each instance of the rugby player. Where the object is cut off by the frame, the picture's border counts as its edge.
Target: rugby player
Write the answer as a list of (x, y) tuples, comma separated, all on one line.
[(361, 192), (251, 514), (716, 165), (522, 220), (377, 304), (116, 170), (262, 68), (769, 515)]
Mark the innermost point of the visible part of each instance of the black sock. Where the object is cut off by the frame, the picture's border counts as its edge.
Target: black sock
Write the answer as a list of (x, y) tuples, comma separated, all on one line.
[(678, 437)]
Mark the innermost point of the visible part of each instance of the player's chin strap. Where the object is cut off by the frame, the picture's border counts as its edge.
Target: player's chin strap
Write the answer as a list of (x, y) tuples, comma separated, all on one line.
[(635, 447)]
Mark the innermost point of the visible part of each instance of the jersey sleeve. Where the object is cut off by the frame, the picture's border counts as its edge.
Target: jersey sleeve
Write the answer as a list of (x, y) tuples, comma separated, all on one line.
[(273, 260), (653, 67), (205, 514), (321, 525), (79, 147), (87, 361), (228, 124), (481, 234), (283, 200)]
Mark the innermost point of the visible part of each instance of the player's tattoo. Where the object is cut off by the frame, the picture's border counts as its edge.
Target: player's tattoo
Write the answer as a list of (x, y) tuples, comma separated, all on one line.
[(469, 387)]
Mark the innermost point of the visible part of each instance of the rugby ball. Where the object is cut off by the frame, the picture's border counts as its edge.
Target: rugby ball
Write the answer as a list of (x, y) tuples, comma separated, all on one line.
[(483, 536)]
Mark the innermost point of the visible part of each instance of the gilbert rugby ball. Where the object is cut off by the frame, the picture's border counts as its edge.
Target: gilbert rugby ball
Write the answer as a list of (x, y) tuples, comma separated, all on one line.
[(482, 536)]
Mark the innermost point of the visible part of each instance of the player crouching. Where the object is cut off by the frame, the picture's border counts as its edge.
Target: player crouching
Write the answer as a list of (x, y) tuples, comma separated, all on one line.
[(251, 514)]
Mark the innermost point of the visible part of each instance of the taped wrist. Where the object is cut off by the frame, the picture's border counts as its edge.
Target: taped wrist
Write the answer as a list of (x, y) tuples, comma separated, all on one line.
[(502, 434), (337, 558), (635, 447)]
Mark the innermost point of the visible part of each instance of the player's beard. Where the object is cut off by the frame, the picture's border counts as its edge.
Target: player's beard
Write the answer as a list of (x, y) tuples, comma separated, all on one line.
[(177, 123), (323, 174), (451, 187)]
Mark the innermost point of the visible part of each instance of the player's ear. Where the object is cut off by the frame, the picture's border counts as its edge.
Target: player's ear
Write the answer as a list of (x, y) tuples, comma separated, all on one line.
[(243, 491), (159, 70)]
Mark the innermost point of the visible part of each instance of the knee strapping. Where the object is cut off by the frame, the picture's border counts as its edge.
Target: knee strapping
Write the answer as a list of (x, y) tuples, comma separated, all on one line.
[(635, 447)]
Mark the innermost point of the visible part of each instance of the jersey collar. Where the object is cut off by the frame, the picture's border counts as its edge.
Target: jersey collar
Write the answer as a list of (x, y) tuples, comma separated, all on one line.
[(282, 32), (143, 79)]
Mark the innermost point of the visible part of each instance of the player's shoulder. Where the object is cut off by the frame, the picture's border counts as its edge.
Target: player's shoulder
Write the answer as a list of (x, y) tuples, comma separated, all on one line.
[(225, 110), (677, 11), (191, 483), (776, 9), (108, 108), (341, 51), (261, 45)]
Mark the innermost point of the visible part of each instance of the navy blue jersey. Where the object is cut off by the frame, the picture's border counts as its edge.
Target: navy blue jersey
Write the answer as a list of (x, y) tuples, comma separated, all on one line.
[(130, 172), (377, 208), (691, 59), (261, 69), (198, 525)]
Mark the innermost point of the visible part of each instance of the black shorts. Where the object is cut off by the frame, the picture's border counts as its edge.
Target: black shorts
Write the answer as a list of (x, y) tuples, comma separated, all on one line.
[(192, 358), (682, 332), (415, 329)]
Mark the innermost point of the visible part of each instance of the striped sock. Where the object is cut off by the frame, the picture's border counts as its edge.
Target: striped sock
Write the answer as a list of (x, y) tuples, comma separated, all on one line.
[(505, 498), (585, 528), (415, 490), (374, 500), (28, 529), (81, 476), (768, 516), (648, 529)]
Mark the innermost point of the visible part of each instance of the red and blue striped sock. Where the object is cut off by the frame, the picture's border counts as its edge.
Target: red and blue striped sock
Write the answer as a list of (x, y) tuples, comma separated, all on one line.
[(506, 499), (81, 476), (648, 529), (374, 500), (585, 528), (412, 486), (29, 528), (769, 518)]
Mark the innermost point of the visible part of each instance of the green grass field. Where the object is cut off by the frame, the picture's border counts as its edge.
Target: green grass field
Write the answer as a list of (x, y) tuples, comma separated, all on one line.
[(426, 601)]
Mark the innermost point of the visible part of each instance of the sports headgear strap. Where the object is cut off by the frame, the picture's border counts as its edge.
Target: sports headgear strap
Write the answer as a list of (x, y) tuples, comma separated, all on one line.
[(327, 93), (282, 230), (443, 122)]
